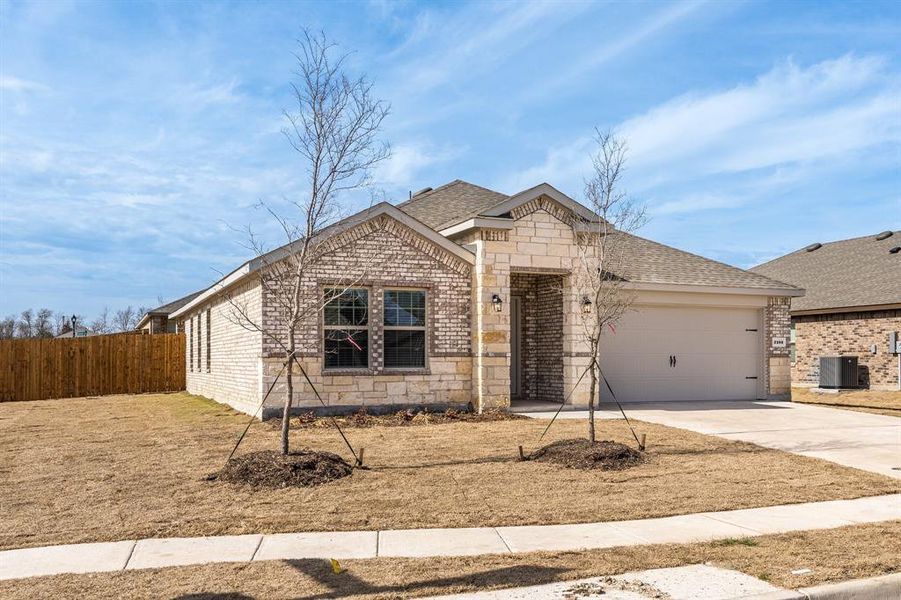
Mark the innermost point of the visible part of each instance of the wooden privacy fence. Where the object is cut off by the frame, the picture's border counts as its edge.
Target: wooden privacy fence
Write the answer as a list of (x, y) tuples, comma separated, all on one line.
[(122, 363)]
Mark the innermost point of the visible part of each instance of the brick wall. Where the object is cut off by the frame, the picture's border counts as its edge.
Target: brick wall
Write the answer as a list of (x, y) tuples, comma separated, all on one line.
[(232, 374), (842, 334), (379, 255), (541, 344)]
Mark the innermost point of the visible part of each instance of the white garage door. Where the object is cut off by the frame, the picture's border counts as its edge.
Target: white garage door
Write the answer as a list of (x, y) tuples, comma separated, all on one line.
[(662, 353)]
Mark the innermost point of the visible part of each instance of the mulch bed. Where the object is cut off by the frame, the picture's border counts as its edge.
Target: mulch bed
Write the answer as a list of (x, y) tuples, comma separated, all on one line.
[(401, 418), (581, 454), (267, 468)]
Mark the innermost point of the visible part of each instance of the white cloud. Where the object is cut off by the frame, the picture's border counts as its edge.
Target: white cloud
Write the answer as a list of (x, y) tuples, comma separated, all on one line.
[(409, 159), (14, 84), (788, 114)]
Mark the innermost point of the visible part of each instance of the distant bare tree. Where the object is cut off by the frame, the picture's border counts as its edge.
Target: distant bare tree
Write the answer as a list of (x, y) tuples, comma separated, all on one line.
[(334, 128), (602, 275), (102, 324), (8, 327), (25, 325), (127, 319), (43, 323)]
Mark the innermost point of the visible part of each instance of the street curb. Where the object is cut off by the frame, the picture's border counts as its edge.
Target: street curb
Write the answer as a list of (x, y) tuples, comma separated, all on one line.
[(886, 587)]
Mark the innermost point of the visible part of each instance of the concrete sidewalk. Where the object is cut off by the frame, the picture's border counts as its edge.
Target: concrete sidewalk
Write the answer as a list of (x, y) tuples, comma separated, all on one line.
[(151, 553), (861, 440)]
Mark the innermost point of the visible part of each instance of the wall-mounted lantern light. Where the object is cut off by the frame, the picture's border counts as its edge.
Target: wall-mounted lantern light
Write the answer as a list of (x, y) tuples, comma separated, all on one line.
[(586, 305), (497, 303)]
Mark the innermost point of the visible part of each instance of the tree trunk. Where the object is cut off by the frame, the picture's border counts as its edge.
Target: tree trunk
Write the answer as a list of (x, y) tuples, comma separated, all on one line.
[(289, 399), (594, 382)]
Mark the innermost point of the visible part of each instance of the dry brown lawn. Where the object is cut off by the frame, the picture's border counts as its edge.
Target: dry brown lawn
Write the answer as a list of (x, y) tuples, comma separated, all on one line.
[(832, 555), (873, 401), (125, 467)]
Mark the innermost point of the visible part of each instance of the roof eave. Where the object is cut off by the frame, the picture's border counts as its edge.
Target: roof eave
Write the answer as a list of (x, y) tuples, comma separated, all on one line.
[(845, 309), (717, 289)]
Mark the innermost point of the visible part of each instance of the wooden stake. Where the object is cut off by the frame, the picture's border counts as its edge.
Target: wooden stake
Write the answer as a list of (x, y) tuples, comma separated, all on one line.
[(360, 458), (641, 445), (522, 455)]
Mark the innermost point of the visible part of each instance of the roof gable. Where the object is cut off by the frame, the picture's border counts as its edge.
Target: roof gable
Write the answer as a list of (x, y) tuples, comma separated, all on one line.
[(379, 212)]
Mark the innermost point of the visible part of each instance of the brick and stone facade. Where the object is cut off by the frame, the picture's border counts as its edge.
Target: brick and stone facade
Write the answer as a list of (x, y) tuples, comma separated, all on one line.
[(531, 254), (777, 368), (843, 334)]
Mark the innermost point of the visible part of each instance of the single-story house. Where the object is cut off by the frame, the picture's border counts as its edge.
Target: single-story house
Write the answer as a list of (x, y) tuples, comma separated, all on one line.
[(158, 321), (463, 296), (851, 306)]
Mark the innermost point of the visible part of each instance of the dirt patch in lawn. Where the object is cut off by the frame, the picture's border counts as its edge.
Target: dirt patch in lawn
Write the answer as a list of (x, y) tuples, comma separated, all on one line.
[(402, 418), (127, 467), (872, 401), (832, 555), (267, 468), (581, 454)]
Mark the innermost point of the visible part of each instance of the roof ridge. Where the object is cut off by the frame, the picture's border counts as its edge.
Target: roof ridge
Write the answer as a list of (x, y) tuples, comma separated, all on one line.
[(718, 262), (458, 181), (418, 197)]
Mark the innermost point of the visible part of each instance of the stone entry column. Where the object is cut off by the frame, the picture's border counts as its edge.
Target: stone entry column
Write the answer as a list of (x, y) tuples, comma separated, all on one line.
[(491, 329)]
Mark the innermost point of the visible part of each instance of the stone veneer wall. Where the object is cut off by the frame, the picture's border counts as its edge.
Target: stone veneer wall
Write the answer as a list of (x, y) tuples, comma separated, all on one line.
[(777, 367), (541, 242), (541, 346), (841, 334), (378, 255), (232, 375)]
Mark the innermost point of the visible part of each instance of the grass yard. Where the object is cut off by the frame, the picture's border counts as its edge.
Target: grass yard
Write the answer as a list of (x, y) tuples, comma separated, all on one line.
[(832, 555), (125, 467), (874, 401)]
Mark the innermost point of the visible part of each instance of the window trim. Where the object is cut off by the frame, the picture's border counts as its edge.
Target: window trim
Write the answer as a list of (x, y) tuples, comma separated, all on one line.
[(368, 328), (424, 327)]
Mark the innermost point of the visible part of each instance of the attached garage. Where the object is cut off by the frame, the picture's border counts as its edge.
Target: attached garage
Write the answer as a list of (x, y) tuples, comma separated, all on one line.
[(662, 353)]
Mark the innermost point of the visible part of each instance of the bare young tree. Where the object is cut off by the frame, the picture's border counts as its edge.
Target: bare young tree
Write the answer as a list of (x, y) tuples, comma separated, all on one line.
[(601, 277), (334, 128)]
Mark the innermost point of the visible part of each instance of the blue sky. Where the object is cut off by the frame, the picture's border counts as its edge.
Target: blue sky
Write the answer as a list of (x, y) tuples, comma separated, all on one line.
[(134, 137)]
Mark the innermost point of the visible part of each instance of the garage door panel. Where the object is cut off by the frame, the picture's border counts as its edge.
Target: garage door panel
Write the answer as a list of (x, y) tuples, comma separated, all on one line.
[(714, 349)]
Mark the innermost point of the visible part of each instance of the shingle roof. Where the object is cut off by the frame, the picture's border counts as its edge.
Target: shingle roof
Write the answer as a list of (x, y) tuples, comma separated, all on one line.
[(649, 262), (450, 204), (171, 307), (653, 262), (843, 274)]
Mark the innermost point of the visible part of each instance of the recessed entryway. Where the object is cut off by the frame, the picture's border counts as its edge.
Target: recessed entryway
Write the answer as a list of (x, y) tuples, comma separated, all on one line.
[(536, 340)]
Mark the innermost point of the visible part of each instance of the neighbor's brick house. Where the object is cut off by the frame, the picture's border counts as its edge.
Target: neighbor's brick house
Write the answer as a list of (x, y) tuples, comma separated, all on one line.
[(463, 296), (852, 303)]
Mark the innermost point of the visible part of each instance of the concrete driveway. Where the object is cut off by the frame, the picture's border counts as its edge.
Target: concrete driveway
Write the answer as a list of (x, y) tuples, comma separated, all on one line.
[(862, 440)]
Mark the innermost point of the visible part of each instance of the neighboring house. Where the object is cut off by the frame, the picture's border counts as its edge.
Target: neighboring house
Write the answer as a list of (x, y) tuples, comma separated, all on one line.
[(158, 321), (852, 303), (463, 296), (80, 331)]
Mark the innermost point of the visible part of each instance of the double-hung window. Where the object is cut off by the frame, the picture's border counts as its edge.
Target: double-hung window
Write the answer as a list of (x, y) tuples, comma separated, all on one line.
[(346, 329), (405, 324)]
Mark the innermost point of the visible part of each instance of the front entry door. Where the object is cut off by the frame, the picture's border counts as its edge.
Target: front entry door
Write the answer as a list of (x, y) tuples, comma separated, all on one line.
[(515, 347)]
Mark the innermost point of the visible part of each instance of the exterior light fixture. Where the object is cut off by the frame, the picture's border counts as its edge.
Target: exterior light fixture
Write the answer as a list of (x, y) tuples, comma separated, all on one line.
[(586, 305), (74, 319), (497, 303)]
